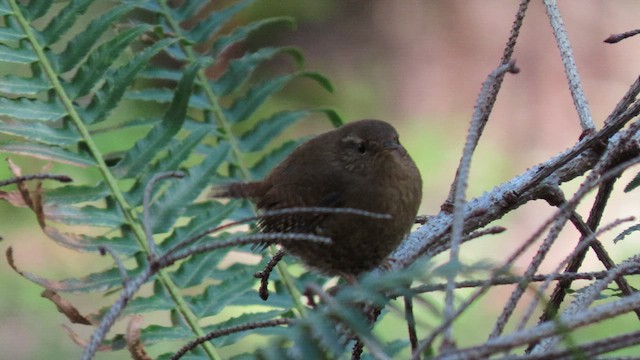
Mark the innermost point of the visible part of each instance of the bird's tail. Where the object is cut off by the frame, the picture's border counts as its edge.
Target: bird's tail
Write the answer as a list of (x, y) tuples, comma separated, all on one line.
[(249, 190)]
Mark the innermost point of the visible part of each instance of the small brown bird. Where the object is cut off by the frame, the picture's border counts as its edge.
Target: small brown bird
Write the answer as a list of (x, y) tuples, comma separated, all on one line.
[(360, 165)]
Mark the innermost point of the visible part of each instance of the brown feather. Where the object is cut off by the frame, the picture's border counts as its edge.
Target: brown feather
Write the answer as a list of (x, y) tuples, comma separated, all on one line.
[(361, 166)]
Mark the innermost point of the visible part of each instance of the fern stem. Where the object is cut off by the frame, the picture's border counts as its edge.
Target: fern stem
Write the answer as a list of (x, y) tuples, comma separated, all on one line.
[(128, 211), (222, 122)]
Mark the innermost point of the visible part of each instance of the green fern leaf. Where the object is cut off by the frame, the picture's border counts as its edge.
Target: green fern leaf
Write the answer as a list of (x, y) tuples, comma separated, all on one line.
[(40, 133), (37, 9), (266, 130), (160, 300), (210, 215), (86, 215), (195, 133), (207, 28), (117, 82), (146, 149), (20, 86), (177, 152), (81, 45), (164, 96), (73, 194), (25, 109), (240, 69), (5, 9), (12, 32), (270, 160), (243, 107), (189, 9), (17, 56), (124, 246), (47, 153), (62, 22), (100, 281), (154, 334), (170, 205), (198, 268), (243, 32), (240, 320), (99, 61), (153, 72), (216, 297)]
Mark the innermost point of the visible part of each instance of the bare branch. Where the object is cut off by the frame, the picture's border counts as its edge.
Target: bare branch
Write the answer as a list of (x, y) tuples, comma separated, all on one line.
[(586, 298), (569, 63), (430, 239), (510, 280), (593, 179), (266, 272), (616, 38), (17, 179), (564, 323), (104, 250), (461, 181), (583, 245), (411, 322), (584, 189), (588, 350), (133, 285), (110, 317), (270, 238), (279, 212), (228, 331)]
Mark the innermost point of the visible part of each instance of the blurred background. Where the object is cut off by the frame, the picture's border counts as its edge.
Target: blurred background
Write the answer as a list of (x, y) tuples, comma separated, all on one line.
[(419, 65)]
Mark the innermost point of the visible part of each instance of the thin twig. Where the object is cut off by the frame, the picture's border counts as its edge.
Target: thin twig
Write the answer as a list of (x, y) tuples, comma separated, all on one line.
[(426, 343), (586, 229), (269, 238), (588, 350), (134, 284), (461, 183), (607, 261), (581, 248), (511, 280), (585, 298), (616, 38), (279, 212), (564, 214), (627, 100), (564, 323), (557, 226), (570, 69), (576, 262), (130, 288), (266, 272), (146, 210), (104, 249), (430, 239), (17, 179), (479, 292), (411, 322), (228, 331)]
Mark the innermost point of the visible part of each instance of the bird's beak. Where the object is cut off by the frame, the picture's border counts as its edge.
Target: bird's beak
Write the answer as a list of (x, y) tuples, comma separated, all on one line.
[(391, 145)]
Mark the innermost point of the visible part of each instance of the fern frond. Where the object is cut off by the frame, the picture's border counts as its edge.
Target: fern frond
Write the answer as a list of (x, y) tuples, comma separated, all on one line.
[(64, 103)]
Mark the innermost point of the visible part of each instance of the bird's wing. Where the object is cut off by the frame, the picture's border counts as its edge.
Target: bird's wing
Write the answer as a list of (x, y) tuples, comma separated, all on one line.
[(288, 196)]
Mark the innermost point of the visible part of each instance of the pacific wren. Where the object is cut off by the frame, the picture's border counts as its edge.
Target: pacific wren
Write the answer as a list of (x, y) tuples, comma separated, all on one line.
[(360, 165)]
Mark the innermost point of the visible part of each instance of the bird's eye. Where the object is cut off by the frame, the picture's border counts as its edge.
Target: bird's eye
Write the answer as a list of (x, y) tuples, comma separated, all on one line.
[(361, 148)]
